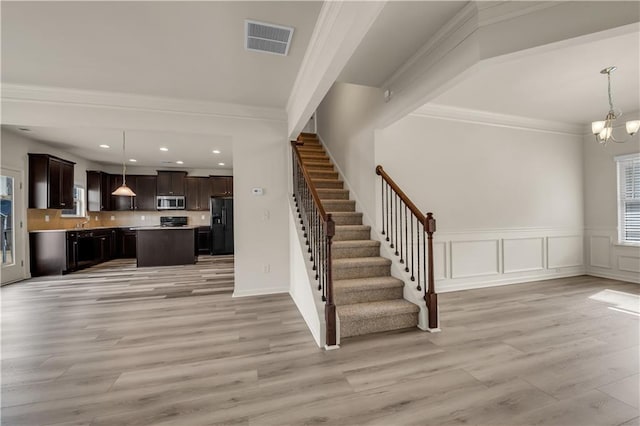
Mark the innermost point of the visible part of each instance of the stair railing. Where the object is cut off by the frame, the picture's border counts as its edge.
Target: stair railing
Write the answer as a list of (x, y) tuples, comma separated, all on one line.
[(402, 225), (318, 228)]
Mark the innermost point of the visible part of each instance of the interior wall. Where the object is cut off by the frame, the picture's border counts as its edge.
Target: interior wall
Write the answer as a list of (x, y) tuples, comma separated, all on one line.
[(508, 201), (344, 122), (604, 256), (261, 221)]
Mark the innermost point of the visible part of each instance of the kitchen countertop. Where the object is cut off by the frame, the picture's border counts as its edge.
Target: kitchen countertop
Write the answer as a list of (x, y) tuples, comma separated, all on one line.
[(161, 228)]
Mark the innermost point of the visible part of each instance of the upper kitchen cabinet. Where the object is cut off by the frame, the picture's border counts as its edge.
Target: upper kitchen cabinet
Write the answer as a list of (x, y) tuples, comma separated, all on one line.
[(50, 182), (146, 187), (198, 192), (171, 183), (98, 191), (119, 202), (221, 186)]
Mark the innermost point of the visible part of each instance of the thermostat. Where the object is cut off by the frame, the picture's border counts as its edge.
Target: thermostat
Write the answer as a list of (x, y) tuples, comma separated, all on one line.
[(257, 191)]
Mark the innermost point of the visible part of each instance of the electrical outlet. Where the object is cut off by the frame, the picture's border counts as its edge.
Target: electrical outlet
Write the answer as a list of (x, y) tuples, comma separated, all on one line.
[(113, 218), (46, 218), (142, 217), (267, 268), (95, 218), (202, 217), (267, 214)]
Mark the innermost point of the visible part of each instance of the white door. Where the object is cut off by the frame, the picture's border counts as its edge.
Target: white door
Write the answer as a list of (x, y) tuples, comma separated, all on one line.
[(11, 226)]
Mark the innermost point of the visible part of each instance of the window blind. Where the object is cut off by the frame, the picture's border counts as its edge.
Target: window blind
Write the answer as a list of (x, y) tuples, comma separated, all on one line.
[(629, 198)]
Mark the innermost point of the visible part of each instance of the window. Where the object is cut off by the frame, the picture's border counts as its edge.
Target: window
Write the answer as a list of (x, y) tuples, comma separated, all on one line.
[(79, 207), (629, 198)]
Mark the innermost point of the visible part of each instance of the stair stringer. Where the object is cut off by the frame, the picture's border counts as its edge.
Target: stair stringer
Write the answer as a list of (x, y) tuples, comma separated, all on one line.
[(409, 291)]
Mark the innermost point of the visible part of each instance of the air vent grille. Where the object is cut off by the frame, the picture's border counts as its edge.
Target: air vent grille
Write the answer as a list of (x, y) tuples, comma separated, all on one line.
[(262, 37)]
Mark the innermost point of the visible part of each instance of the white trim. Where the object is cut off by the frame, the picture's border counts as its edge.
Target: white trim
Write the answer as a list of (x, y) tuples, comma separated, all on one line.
[(261, 292), (451, 286), (631, 278), (627, 157), (465, 115), (58, 95)]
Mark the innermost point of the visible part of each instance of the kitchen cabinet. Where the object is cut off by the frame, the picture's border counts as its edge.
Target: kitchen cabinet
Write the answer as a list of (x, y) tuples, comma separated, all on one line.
[(204, 240), (50, 182), (146, 187), (221, 186), (61, 252), (98, 191), (126, 243), (198, 193), (171, 183)]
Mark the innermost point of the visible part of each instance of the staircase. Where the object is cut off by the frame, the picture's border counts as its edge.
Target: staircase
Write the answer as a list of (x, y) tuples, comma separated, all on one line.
[(367, 298)]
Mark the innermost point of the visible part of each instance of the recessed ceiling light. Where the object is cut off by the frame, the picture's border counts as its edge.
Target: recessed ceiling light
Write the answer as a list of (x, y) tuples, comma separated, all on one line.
[(179, 162), (133, 160), (164, 149), (216, 151), (104, 146), (220, 164), (24, 129)]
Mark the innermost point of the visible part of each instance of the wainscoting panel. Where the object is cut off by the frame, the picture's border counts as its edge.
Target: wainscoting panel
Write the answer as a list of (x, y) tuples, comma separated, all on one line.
[(474, 258), (565, 251), (600, 253), (629, 263), (439, 260), (522, 254)]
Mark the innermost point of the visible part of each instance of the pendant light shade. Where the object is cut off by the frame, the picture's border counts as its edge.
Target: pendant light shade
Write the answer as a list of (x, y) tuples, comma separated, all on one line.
[(124, 190)]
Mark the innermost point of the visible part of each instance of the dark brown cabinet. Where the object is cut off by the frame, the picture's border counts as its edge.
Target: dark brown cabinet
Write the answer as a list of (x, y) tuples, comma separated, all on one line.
[(146, 193), (203, 240), (50, 182), (198, 193), (221, 185), (171, 183), (126, 242), (98, 191), (119, 202)]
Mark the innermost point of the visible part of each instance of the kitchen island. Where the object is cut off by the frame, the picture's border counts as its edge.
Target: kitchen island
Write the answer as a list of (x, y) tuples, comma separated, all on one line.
[(166, 245)]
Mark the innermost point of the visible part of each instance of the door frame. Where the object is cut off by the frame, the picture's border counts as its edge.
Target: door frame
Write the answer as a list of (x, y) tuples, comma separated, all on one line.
[(20, 229)]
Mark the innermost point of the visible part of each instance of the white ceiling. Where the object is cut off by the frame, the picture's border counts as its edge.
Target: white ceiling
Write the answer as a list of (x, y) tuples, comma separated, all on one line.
[(563, 85), (191, 50), (400, 30), (196, 151)]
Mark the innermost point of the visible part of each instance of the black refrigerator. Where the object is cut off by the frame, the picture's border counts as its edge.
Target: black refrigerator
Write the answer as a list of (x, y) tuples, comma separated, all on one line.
[(221, 225)]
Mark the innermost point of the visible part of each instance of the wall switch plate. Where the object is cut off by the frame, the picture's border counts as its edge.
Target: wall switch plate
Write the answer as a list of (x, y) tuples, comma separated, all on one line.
[(95, 218), (267, 268), (266, 214), (142, 217), (202, 217), (46, 218), (113, 218)]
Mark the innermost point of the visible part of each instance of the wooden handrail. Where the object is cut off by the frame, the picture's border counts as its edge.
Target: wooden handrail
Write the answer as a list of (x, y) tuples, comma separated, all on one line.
[(314, 193), (415, 210)]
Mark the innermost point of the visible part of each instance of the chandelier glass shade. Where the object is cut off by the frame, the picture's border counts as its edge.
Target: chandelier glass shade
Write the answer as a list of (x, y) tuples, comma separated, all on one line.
[(603, 130), (124, 190)]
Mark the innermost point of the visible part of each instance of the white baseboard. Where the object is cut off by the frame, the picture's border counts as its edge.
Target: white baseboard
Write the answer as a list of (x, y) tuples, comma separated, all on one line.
[(614, 276), (261, 292)]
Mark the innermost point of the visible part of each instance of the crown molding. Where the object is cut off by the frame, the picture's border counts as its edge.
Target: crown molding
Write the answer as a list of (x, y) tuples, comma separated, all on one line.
[(446, 112), (492, 12), (115, 100)]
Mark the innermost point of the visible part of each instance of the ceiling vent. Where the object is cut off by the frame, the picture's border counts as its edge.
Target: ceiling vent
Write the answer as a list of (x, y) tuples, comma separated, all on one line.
[(262, 37)]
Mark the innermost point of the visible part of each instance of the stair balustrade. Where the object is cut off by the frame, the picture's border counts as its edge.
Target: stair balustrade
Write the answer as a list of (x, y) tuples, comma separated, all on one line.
[(410, 233), (318, 228)]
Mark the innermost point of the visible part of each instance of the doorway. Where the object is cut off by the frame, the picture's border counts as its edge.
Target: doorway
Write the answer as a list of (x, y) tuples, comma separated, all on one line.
[(11, 225)]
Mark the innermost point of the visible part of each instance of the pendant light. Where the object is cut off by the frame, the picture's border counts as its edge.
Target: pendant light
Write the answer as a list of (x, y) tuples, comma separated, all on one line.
[(124, 190), (603, 130)]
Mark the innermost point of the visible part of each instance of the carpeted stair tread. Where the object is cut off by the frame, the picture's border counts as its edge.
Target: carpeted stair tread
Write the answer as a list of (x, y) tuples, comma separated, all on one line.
[(347, 218), (326, 183), (362, 284), (333, 193), (370, 310), (361, 262), (355, 243)]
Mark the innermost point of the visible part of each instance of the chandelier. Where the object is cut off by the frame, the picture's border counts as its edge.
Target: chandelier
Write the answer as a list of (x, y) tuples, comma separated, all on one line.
[(603, 130)]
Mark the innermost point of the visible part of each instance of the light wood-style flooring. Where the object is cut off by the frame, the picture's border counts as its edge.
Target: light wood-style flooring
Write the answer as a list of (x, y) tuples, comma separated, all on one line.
[(116, 345)]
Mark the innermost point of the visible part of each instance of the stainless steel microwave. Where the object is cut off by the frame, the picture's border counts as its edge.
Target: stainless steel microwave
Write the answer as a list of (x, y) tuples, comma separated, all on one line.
[(171, 202)]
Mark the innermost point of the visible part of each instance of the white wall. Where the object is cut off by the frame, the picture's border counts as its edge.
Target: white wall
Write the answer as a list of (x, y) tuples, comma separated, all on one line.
[(344, 122), (604, 256), (508, 201), (261, 222)]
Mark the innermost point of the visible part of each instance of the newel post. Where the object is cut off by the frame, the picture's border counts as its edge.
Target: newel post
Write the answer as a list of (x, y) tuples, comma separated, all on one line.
[(430, 296), (329, 307)]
